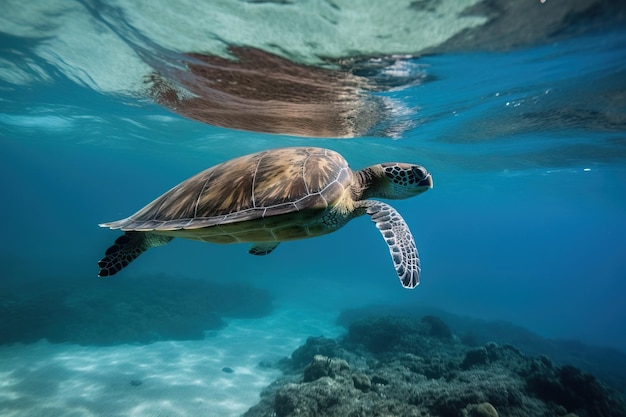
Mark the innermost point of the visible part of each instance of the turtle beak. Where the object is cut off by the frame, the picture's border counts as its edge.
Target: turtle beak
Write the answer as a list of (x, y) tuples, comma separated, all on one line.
[(421, 181), (427, 181)]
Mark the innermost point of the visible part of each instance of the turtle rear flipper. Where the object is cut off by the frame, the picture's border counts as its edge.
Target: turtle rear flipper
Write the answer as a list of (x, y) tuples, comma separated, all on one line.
[(262, 248), (396, 233), (126, 249)]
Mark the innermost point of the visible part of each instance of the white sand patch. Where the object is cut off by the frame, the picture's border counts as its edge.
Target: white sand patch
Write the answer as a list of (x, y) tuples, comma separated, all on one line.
[(161, 379)]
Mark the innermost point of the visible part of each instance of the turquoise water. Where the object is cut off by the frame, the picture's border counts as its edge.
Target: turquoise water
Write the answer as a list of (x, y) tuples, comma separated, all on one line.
[(525, 137)]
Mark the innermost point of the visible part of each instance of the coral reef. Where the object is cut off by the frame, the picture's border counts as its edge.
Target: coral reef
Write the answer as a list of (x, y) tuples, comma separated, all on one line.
[(608, 364), (138, 310), (398, 366)]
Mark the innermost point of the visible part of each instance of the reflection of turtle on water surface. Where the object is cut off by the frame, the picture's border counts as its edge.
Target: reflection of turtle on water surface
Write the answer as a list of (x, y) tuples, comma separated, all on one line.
[(274, 196)]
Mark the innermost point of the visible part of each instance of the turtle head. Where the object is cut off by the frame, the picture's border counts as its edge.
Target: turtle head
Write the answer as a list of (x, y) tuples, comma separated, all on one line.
[(395, 180)]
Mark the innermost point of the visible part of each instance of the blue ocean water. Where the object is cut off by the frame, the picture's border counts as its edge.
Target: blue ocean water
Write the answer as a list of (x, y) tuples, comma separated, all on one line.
[(525, 224)]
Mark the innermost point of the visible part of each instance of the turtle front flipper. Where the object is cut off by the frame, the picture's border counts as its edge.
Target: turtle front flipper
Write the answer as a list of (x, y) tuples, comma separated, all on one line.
[(396, 233), (126, 249), (262, 248)]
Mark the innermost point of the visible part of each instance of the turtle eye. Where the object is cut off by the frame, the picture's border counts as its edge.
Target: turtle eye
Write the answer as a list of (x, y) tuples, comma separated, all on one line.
[(419, 172)]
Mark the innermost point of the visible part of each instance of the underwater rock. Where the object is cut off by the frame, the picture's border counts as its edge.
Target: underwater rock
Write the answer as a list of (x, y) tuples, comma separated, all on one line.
[(323, 397), (314, 346), (606, 363), (322, 366), (377, 379), (445, 379), (139, 310), (480, 410), (435, 327), (574, 389), (474, 357), (361, 382)]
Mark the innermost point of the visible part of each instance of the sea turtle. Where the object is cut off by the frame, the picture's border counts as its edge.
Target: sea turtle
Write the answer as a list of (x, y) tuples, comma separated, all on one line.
[(273, 196)]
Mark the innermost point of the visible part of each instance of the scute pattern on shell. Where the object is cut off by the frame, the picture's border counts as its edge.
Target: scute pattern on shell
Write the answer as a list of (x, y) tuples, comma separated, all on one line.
[(263, 184)]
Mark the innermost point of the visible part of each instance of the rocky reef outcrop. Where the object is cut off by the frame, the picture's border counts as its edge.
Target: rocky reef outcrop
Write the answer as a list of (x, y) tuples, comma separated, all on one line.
[(141, 310), (397, 366)]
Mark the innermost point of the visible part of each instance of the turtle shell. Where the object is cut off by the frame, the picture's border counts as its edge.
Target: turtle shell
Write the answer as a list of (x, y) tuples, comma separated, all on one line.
[(255, 186)]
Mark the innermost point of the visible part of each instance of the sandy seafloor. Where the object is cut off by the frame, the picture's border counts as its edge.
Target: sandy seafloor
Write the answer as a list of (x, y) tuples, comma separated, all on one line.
[(171, 378)]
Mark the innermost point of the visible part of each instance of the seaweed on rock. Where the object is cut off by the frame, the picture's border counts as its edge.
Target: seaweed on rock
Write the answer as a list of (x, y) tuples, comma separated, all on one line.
[(608, 364), (395, 366)]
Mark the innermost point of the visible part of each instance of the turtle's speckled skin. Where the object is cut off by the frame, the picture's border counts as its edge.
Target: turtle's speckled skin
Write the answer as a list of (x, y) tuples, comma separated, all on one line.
[(273, 196)]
